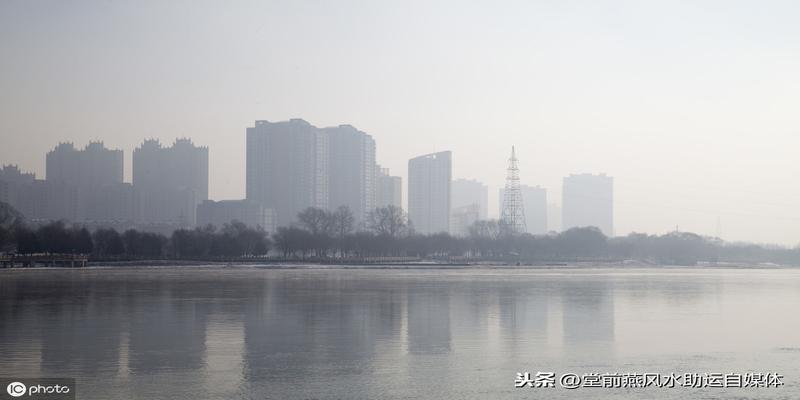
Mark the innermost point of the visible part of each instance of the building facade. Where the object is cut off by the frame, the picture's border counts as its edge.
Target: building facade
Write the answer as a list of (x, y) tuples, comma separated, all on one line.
[(389, 189), (95, 165), (467, 192), (170, 182), (249, 212), (588, 200), (462, 218), (83, 186), (293, 165), (429, 185), (287, 167), (15, 189), (352, 170)]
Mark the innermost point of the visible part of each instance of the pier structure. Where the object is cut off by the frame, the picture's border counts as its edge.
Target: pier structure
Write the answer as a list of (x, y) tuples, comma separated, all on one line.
[(44, 260)]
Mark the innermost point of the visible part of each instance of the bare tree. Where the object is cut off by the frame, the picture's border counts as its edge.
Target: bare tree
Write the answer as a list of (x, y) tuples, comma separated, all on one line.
[(342, 221), (487, 229), (388, 221), (315, 220)]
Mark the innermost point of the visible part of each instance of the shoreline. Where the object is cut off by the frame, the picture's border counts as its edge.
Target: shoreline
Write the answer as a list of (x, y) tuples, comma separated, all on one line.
[(430, 265)]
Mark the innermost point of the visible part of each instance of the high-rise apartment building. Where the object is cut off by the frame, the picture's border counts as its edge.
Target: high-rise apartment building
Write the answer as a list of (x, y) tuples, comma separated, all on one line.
[(588, 200), (95, 165), (14, 188), (293, 165), (170, 181), (287, 167), (429, 178), (352, 170), (83, 186)]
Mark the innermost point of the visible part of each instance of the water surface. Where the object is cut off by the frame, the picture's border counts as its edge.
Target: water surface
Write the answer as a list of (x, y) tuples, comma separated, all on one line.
[(255, 333)]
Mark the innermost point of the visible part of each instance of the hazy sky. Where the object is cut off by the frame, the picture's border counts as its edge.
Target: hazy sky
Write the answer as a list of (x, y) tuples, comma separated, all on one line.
[(692, 106)]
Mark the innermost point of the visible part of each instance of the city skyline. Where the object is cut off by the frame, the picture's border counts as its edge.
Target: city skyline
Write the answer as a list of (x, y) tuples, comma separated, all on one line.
[(690, 108), (111, 176), (408, 199)]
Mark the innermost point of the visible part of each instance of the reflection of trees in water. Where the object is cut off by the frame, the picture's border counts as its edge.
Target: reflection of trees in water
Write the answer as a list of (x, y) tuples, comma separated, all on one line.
[(428, 321), (587, 312), (167, 334), (302, 323), (70, 317), (672, 288), (80, 317), (292, 325), (523, 311)]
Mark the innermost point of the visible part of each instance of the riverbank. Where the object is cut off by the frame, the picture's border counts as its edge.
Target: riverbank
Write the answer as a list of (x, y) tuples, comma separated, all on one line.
[(431, 264)]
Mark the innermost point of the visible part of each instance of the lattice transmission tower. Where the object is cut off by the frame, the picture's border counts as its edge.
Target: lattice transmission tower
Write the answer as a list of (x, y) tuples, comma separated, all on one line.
[(513, 215)]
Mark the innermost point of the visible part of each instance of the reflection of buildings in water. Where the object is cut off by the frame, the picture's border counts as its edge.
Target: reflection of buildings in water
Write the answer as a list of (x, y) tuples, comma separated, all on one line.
[(77, 333), (223, 363), (166, 333), (428, 322), (523, 313), (276, 338), (588, 314), (337, 325), (470, 309)]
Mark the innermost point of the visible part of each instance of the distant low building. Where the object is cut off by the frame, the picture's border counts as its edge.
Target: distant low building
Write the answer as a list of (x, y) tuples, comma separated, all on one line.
[(389, 189), (249, 212)]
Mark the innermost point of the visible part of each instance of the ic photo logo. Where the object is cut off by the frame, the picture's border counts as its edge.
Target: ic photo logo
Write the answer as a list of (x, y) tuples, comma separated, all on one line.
[(16, 389), (38, 388)]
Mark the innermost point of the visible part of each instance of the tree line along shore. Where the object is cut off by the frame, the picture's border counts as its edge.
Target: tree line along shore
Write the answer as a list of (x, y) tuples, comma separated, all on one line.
[(331, 236)]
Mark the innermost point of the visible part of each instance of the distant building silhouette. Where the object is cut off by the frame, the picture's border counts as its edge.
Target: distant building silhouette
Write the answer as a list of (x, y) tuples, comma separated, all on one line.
[(287, 167), (429, 179), (535, 198), (84, 186), (467, 192), (12, 174), (389, 189), (469, 203), (463, 217), (249, 212), (293, 165), (352, 170), (95, 165), (588, 200), (15, 187), (170, 181), (553, 217)]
